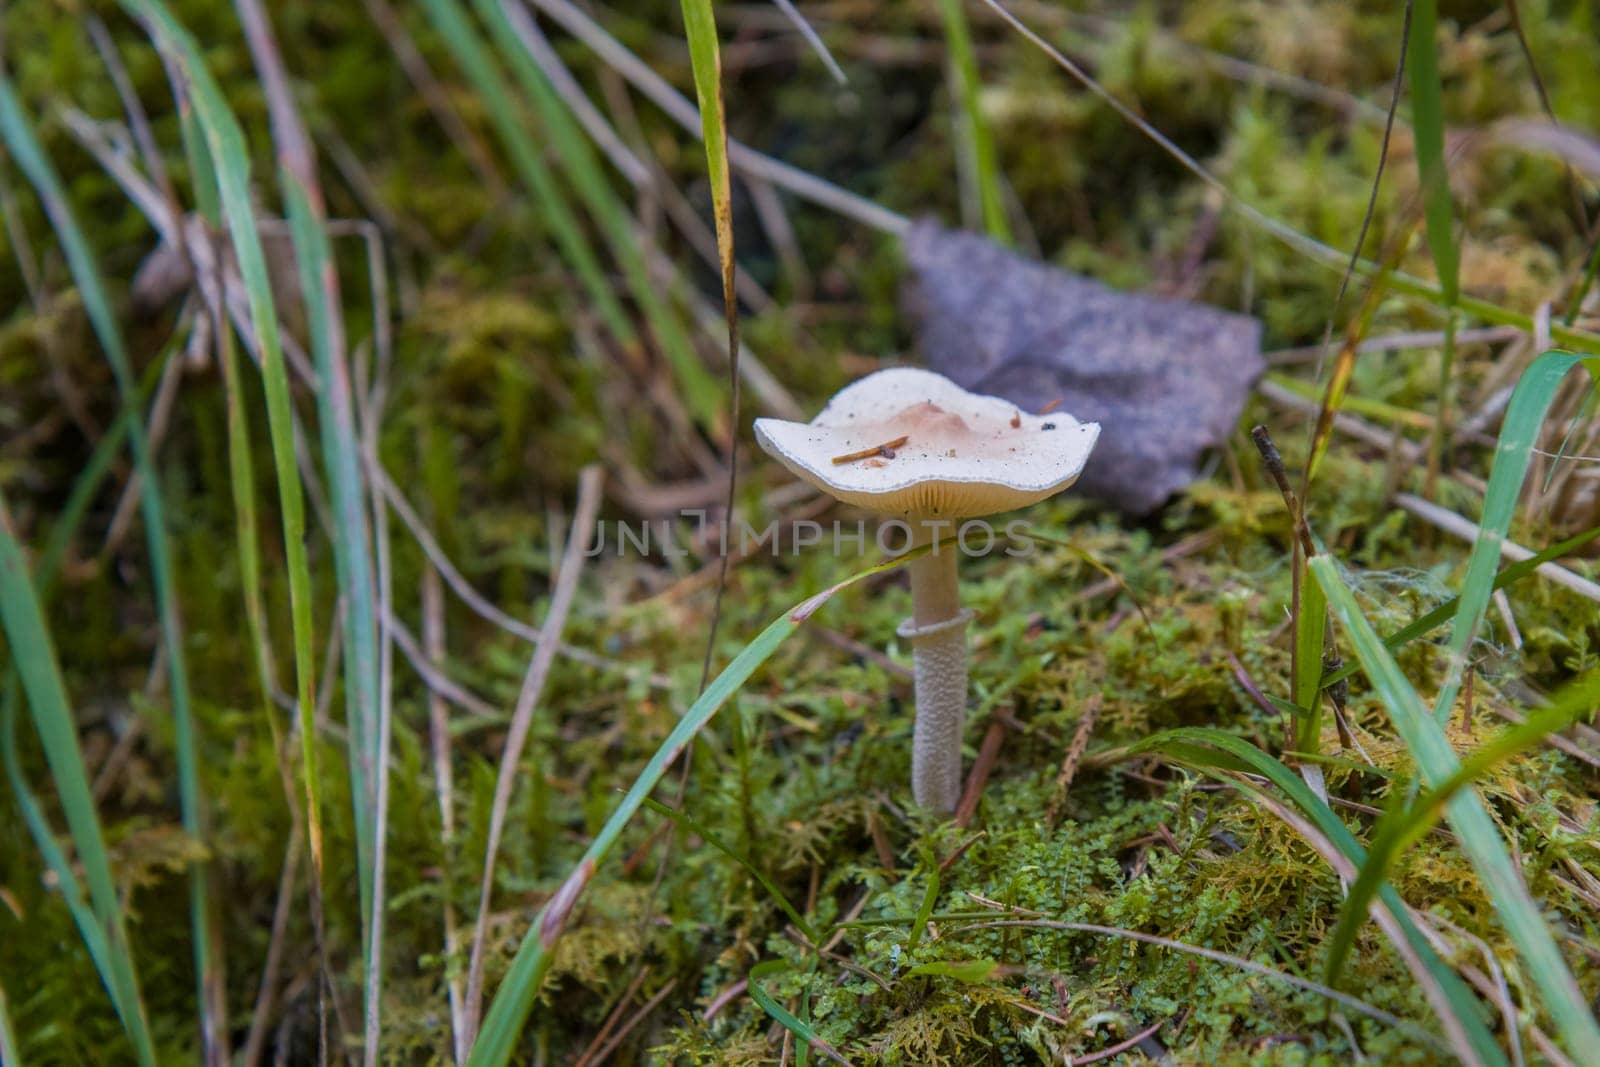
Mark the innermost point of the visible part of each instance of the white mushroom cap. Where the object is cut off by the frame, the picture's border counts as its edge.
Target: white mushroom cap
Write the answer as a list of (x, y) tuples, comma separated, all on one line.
[(965, 455)]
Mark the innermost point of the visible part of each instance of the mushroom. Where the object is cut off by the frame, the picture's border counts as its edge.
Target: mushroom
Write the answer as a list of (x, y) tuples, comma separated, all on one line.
[(913, 445)]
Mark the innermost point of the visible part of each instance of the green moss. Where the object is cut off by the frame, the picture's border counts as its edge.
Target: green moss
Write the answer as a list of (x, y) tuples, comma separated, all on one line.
[(500, 393)]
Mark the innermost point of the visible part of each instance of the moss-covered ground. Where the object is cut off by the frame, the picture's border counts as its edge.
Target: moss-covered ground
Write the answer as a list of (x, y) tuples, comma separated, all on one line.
[(499, 394)]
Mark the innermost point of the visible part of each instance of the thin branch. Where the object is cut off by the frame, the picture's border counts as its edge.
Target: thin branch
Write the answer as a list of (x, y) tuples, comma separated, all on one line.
[(1467, 530), (566, 585)]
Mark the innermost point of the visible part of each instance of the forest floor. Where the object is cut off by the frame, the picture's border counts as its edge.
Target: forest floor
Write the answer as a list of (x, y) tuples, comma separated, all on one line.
[(500, 382)]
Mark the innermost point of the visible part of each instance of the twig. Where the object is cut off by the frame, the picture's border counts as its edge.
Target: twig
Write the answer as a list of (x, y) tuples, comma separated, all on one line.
[(961, 849), (724, 998), (1121, 1046), (1395, 342), (430, 668), (479, 604), (1377, 180), (634, 1020), (611, 1018), (567, 87), (1502, 990), (1352, 425), (978, 777), (1248, 684), (266, 992), (886, 450), (1189, 546), (1240, 962), (1468, 531), (566, 585), (775, 221), (433, 641), (846, 643), (1074, 757), (812, 38), (156, 433)]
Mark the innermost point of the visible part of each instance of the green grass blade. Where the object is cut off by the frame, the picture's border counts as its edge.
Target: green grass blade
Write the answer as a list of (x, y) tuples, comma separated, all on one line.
[(555, 210), (102, 922), (241, 460), (1519, 432), (977, 142), (226, 148), (46, 565), (973, 972), (9, 1053), (589, 180), (1310, 630), (1427, 119), (514, 999), (1442, 614), (783, 1016), (1480, 838), (1403, 826), (352, 548), (1211, 751), (930, 897), (242, 486), (705, 56), (55, 861), (370, 729), (783, 903), (30, 158)]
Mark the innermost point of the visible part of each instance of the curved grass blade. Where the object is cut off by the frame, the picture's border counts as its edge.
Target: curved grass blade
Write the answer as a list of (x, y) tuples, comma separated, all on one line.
[(514, 1000), (783, 1016), (100, 920), (1403, 826), (226, 148), (977, 141), (353, 566), (1480, 838), (1525, 414), (18, 135), (685, 819), (354, 569), (1214, 752), (46, 565)]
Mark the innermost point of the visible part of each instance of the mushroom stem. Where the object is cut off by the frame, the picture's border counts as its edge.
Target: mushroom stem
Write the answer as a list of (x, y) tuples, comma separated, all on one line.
[(937, 631)]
